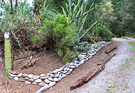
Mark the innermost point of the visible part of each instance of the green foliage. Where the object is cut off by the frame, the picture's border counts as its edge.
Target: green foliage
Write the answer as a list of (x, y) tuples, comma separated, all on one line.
[(46, 12), (68, 56), (82, 46), (103, 14), (22, 23), (36, 39), (58, 35), (60, 53), (56, 4), (78, 15), (124, 24)]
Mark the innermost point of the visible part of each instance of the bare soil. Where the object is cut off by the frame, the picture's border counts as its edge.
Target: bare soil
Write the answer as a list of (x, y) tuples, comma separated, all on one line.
[(47, 63)]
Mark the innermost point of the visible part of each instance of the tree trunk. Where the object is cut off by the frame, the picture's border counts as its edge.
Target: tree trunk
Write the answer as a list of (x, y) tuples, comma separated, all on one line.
[(16, 3), (11, 7)]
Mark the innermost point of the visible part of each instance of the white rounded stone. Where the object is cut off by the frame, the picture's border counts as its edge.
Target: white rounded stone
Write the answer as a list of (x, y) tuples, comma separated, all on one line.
[(27, 82), (35, 77), (56, 79), (16, 78), (38, 80), (42, 75), (52, 84), (47, 81), (30, 75), (19, 75)]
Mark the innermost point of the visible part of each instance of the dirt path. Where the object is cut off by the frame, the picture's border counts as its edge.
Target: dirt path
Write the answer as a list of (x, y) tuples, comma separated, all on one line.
[(118, 75)]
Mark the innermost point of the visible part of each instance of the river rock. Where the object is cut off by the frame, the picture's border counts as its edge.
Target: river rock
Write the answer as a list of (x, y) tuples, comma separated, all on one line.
[(52, 84), (31, 80), (52, 75), (38, 80), (19, 75), (34, 83), (56, 71), (30, 76), (27, 82), (12, 75), (26, 78), (47, 81), (55, 79), (50, 79), (22, 79), (24, 75), (42, 75), (15, 72), (43, 89), (35, 77), (57, 75), (16, 78), (43, 78)]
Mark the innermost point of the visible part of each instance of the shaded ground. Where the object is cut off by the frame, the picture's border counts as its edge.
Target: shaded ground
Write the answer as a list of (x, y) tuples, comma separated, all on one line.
[(49, 63)]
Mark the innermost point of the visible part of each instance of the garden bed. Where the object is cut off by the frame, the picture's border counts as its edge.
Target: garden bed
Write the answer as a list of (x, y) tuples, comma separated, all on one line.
[(51, 62)]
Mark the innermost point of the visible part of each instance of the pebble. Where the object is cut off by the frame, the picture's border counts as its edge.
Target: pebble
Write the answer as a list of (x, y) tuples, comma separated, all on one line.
[(30, 75), (43, 89), (22, 79), (82, 61), (26, 78), (38, 80), (27, 82), (19, 75), (31, 80), (43, 78), (52, 75), (56, 79), (24, 75), (35, 77), (56, 71), (52, 84), (15, 72), (42, 75), (64, 75), (47, 81), (50, 79), (34, 83), (57, 75), (12, 75), (16, 78), (73, 67)]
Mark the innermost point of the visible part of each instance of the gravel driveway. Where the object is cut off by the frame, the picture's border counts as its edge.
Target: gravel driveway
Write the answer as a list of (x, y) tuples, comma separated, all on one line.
[(118, 75)]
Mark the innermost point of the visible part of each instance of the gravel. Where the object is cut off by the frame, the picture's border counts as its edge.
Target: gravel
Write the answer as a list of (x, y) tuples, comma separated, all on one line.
[(110, 80)]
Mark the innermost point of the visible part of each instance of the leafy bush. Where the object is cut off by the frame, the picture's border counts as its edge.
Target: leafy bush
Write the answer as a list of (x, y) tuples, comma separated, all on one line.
[(58, 35)]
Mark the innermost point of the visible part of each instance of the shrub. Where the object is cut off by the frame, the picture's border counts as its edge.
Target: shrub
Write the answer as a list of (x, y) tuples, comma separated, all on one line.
[(58, 35)]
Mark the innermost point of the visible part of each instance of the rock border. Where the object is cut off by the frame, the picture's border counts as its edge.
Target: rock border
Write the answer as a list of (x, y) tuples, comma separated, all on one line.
[(50, 79)]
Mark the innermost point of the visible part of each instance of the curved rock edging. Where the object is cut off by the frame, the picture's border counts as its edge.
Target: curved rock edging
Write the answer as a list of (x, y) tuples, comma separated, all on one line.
[(50, 79)]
